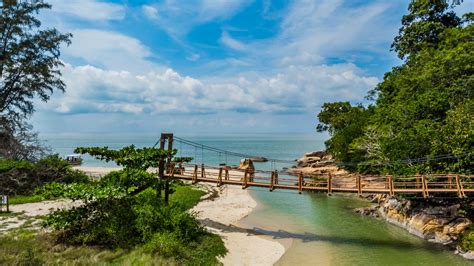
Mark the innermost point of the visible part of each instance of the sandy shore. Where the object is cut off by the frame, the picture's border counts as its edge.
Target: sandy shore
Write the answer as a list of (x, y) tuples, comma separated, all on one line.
[(221, 214), (219, 211)]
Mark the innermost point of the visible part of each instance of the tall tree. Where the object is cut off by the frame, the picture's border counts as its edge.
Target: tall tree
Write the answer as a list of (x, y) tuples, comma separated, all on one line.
[(423, 108), (29, 69), (422, 25)]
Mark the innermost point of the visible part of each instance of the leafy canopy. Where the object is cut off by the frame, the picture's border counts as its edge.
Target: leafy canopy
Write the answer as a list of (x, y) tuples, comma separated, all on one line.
[(29, 69), (423, 108)]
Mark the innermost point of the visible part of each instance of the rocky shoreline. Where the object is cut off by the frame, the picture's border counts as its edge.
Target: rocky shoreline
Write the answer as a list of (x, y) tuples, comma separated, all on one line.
[(436, 220), (440, 221)]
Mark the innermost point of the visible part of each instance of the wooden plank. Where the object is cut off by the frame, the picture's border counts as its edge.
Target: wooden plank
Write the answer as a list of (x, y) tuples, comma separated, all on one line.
[(459, 187), (272, 182), (219, 182), (195, 180), (359, 185), (424, 187), (244, 184), (390, 183)]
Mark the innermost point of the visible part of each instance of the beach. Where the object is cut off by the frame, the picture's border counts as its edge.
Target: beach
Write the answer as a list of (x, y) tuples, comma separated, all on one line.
[(220, 211)]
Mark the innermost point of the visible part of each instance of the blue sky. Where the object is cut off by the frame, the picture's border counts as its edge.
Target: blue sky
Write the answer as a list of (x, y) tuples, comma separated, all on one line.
[(215, 65)]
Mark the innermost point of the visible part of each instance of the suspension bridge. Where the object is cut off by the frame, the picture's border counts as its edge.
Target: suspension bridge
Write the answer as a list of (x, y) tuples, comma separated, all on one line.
[(429, 185)]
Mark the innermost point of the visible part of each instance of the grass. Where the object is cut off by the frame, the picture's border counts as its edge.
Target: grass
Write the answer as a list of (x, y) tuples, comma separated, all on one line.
[(21, 199), (186, 196), (25, 247), (29, 247)]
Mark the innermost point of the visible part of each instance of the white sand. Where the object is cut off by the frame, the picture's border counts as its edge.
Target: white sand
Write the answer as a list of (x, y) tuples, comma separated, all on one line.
[(29, 211), (220, 217)]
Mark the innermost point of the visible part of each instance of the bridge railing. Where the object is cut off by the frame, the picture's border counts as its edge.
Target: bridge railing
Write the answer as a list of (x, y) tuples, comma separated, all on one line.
[(417, 184)]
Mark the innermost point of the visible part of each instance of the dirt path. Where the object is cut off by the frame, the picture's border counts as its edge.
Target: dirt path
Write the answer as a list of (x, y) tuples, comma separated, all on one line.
[(29, 214)]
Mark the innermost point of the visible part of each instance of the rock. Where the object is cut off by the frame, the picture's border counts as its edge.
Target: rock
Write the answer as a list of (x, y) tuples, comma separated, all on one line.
[(435, 221), (246, 164), (315, 154), (327, 158)]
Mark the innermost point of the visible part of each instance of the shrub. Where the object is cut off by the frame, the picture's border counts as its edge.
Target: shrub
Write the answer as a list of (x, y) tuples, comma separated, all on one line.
[(23, 177)]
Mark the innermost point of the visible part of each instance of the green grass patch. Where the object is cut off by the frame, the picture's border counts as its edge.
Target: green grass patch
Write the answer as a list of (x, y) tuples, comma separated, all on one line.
[(186, 196), (21, 199), (23, 247)]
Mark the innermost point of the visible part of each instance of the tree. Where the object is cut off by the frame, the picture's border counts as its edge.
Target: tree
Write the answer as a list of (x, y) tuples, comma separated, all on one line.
[(136, 163), (423, 108), (29, 68), (345, 123), (422, 26)]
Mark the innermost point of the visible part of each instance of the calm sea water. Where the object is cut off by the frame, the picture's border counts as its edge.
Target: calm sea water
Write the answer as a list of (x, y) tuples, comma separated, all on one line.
[(276, 146), (317, 229)]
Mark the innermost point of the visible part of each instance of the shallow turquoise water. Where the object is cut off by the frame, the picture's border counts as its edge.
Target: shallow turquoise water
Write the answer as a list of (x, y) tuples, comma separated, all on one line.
[(319, 229), (325, 230)]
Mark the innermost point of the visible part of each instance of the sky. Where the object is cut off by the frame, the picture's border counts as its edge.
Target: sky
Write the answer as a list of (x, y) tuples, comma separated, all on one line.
[(221, 66)]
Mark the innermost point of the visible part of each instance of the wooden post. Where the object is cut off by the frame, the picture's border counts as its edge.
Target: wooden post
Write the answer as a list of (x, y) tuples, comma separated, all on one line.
[(8, 203), (390, 184), (459, 187), (195, 177), (329, 184), (272, 181), (418, 181), (202, 171), (226, 173), (300, 183), (219, 180), (359, 185), (450, 181), (244, 184), (276, 176), (424, 187)]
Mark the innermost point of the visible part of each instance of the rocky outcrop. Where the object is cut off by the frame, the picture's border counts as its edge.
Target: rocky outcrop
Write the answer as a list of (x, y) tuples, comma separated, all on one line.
[(316, 162), (437, 221)]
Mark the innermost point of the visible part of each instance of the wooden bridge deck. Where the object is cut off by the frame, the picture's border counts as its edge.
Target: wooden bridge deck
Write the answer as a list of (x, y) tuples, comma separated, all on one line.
[(426, 185)]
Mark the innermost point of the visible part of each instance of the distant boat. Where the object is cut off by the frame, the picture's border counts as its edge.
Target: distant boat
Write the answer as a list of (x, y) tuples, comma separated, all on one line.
[(259, 159), (73, 159)]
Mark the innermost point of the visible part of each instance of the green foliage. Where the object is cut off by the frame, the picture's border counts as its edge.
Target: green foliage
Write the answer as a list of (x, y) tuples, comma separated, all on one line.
[(26, 199), (422, 108), (421, 27), (23, 177), (345, 123), (125, 221), (29, 68), (186, 196), (467, 239), (124, 209), (128, 157)]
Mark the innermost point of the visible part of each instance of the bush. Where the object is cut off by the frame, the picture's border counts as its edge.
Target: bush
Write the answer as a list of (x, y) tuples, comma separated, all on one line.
[(140, 220), (467, 239), (23, 177)]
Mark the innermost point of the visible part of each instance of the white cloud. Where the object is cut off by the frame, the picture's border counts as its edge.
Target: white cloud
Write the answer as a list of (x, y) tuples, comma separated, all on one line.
[(110, 50), (296, 89), (227, 40), (150, 12), (89, 9)]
